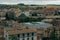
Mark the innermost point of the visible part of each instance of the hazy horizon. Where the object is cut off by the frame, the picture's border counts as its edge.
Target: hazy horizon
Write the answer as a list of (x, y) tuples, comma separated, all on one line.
[(39, 2)]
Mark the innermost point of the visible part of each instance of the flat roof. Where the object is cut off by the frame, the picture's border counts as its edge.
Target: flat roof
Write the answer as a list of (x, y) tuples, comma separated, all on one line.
[(38, 24)]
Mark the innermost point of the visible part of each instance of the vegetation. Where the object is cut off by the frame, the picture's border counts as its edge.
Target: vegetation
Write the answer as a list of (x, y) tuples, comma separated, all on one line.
[(27, 19), (13, 37), (10, 16), (39, 8)]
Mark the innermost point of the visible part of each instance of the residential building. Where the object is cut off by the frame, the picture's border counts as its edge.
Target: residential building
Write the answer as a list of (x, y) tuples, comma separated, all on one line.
[(47, 20), (40, 33), (22, 16), (57, 12), (38, 25), (42, 13), (36, 13), (1, 33), (49, 11), (20, 34)]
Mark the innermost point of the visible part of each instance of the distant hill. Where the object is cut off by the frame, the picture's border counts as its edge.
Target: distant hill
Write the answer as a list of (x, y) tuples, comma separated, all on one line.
[(2, 6), (32, 5), (22, 4)]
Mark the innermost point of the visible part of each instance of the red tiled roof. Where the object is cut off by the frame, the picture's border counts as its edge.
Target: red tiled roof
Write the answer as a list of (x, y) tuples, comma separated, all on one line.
[(10, 29), (1, 32), (40, 31), (49, 10), (19, 31)]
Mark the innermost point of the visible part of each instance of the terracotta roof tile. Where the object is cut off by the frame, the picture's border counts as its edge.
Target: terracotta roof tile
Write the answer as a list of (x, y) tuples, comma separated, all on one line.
[(10, 29), (1, 31), (40, 32), (49, 10), (20, 31)]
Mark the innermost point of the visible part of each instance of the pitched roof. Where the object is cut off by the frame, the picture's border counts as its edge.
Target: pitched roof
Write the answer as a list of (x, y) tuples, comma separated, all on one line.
[(12, 31), (49, 10), (22, 31), (47, 20), (1, 32), (22, 15)]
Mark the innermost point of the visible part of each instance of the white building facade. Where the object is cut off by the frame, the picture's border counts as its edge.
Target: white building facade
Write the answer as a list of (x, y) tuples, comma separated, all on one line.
[(20, 36)]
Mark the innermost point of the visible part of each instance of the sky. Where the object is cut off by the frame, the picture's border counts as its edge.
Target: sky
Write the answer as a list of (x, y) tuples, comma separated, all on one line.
[(39, 2)]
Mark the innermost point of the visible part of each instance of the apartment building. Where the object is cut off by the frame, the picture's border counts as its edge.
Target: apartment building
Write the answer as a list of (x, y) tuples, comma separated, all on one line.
[(1, 33), (43, 12), (47, 20), (40, 33), (20, 33), (36, 13), (50, 11), (57, 32)]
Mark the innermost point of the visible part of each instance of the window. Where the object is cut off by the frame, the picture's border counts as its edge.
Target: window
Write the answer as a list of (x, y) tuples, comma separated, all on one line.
[(32, 34), (27, 34), (27, 38), (23, 35), (32, 38), (6, 35), (18, 35), (23, 39)]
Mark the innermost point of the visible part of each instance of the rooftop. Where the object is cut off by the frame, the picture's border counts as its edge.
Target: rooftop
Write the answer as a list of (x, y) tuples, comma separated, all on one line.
[(12, 31), (47, 20), (1, 32), (38, 25), (22, 31)]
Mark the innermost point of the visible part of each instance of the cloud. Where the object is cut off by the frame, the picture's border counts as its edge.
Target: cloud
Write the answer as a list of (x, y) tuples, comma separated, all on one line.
[(30, 1)]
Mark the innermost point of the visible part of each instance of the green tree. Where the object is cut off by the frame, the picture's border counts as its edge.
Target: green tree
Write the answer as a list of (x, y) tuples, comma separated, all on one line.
[(39, 8), (13, 37)]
